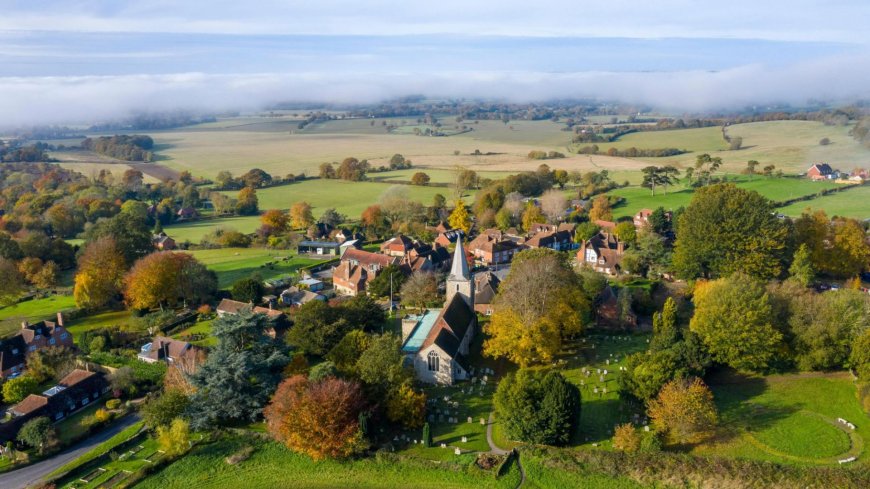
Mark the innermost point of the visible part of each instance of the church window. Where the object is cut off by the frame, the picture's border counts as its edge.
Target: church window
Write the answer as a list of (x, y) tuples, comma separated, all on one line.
[(433, 361)]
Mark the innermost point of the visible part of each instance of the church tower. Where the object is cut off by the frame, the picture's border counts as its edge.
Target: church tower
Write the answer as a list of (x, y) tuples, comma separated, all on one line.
[(459, 281)]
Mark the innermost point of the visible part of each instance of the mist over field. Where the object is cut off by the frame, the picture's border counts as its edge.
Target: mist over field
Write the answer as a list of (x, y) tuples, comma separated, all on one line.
[(89, 61)]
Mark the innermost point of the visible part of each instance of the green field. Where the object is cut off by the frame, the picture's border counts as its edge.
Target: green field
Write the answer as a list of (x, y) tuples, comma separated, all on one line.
[(101, 320), (33, 311), (232, 264), (850, 203), (788, 418), (704, 139), (776, 189), (275, 467)]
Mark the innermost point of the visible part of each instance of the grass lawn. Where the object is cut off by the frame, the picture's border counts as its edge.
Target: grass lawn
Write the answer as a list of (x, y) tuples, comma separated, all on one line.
[(600, 411), (787, 418), (232, 264), (850, 203), (32, 311), (776, 189), (102, 448), (97, 321), (199, 328), (193, 231), (72, 427), (540, 474), (704, 139), (276, 467)]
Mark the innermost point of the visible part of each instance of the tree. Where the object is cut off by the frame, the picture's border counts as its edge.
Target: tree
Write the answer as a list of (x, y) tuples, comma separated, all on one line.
[(131, 236), (275, 219), (326, 171), (346, 352), (240, 373), (47, 276), (553, 204), (538, 406), (407, 407), (352, 169), (175, 438), (123, 381), (655, 176), (665, 330), (427, 435), (373, 219), (162, 410), (532, 215), (248, 289), (560, 178), (382, 364), (247, 203), (464, 179), (626, 232), (837, 247), (859, 359), (301, 216), (380, 285), (585, 231), (735, 143), (801, 268), (331, 217), (734, 319), (751, 165), (459, 218), (100, 275), (166, 279), (224, 180), (255, 178), (11, 282), (319, 419), (420, 289), (37, 433), (626, 438), (600, 209), (15, 390), (9, 248), (54, 362), (726, 229), (420, 178), (684, 411), (321, 371), (539, 305)]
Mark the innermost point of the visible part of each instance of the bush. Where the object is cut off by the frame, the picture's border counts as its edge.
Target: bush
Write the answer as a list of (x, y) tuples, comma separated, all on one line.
[(113, 404), (538, 406)]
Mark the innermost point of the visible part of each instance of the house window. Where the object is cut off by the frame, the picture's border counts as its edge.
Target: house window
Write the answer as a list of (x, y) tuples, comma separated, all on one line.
[(64, 336), (85, 401), (32, 347), (51, 341), (58, 416), (434, 360), (15, 351)]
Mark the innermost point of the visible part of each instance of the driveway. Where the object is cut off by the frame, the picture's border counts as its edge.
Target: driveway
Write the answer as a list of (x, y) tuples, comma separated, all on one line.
[(21, 478)]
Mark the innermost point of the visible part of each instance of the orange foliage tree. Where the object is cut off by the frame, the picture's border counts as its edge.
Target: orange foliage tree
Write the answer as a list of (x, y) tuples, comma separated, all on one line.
[(100, 275), (319, 419), (166, 278), (275, 219)]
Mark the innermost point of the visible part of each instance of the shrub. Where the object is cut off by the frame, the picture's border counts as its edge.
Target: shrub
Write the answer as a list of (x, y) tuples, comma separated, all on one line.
[(684, 411), (626, 438), (113, 404), (101, 415)]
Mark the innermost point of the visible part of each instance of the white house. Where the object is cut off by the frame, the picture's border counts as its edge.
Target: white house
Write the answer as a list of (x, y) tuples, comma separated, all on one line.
[(436, 342)]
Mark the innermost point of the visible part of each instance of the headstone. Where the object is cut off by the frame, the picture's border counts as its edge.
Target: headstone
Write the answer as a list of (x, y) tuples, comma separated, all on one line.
[(646, 428), (464, 439), (443, 445), (470, 420), (482, 421), (457, 451)]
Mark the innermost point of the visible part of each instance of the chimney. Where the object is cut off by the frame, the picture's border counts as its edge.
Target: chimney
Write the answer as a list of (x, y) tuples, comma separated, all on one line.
[(60, 319), (620, 247), (24, 324)]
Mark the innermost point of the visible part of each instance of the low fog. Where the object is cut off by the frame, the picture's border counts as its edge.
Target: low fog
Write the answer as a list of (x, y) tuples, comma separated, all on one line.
[(87, 99)]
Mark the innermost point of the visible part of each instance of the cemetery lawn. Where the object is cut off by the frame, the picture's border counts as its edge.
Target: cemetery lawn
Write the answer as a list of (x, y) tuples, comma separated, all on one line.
[(102, 448), (787, 418), (232, 264), (274, 466), (32, 311), (136, 457), (600, 412)]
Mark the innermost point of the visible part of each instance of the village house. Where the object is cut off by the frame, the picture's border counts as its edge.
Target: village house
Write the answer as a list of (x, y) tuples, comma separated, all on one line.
[(31, 337), (555, 240), (321, 248), (168, 350), (436, 342), (641, 219), (319, 231), (608, 226), (822, 171), (163, 242), (485, 289), (186, 213), (398, 246), (342, 235), (295, 296), (75, 391), (447, 238), (357, 269), (603, 253), (492, 247), (277, 318)]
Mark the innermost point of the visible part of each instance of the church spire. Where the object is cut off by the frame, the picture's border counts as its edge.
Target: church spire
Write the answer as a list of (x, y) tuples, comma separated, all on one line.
[(459, 268)]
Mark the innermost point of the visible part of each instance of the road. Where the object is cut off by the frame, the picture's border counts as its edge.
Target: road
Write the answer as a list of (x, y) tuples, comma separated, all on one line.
[(21, 478)]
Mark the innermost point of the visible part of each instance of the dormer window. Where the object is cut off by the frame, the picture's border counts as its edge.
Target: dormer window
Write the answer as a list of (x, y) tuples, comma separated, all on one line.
[(15, 351)]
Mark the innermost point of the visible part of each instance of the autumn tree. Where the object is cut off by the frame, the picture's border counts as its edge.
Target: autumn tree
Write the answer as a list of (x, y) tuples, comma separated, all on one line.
[(319, 419), (684, 411), (132, 237), (626, 438), (51, 363), (166, 279), (626, 231), (275, 219), (539, 305), (11, 282), (301, 216), (532, 215), (420, 178), (373, 219), (163, 409), (837, 247), (406, 406), (247, 203), (348, 350), (859, 358), (420, 289), (553, 204), (100, 275), (734, 319), (600, 210), (175, 438), (726, 229), (459, 218), (15, 390), (352, 169), (248, 289)]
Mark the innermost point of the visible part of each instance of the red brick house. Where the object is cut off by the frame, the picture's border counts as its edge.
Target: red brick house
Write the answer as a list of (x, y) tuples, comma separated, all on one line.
[(163, 349), (449, 237), (358, 268), (492, 247), (278, 318), (820, 171), (163, 242), (31, 337)]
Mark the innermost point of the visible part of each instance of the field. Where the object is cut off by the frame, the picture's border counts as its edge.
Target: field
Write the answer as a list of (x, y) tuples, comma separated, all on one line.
[(232, 264), (274, 466), (851, 203), (100, 320), (32, 311), (788, 418), (776, 189)]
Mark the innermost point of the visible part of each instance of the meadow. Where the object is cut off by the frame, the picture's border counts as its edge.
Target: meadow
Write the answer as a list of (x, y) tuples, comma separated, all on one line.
[(273, 466), (776, 189), (33, 311), (851, 203), (232, 264)]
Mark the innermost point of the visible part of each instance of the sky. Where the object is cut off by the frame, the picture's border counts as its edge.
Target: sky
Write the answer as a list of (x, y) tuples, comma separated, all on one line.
[(88, 60)]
